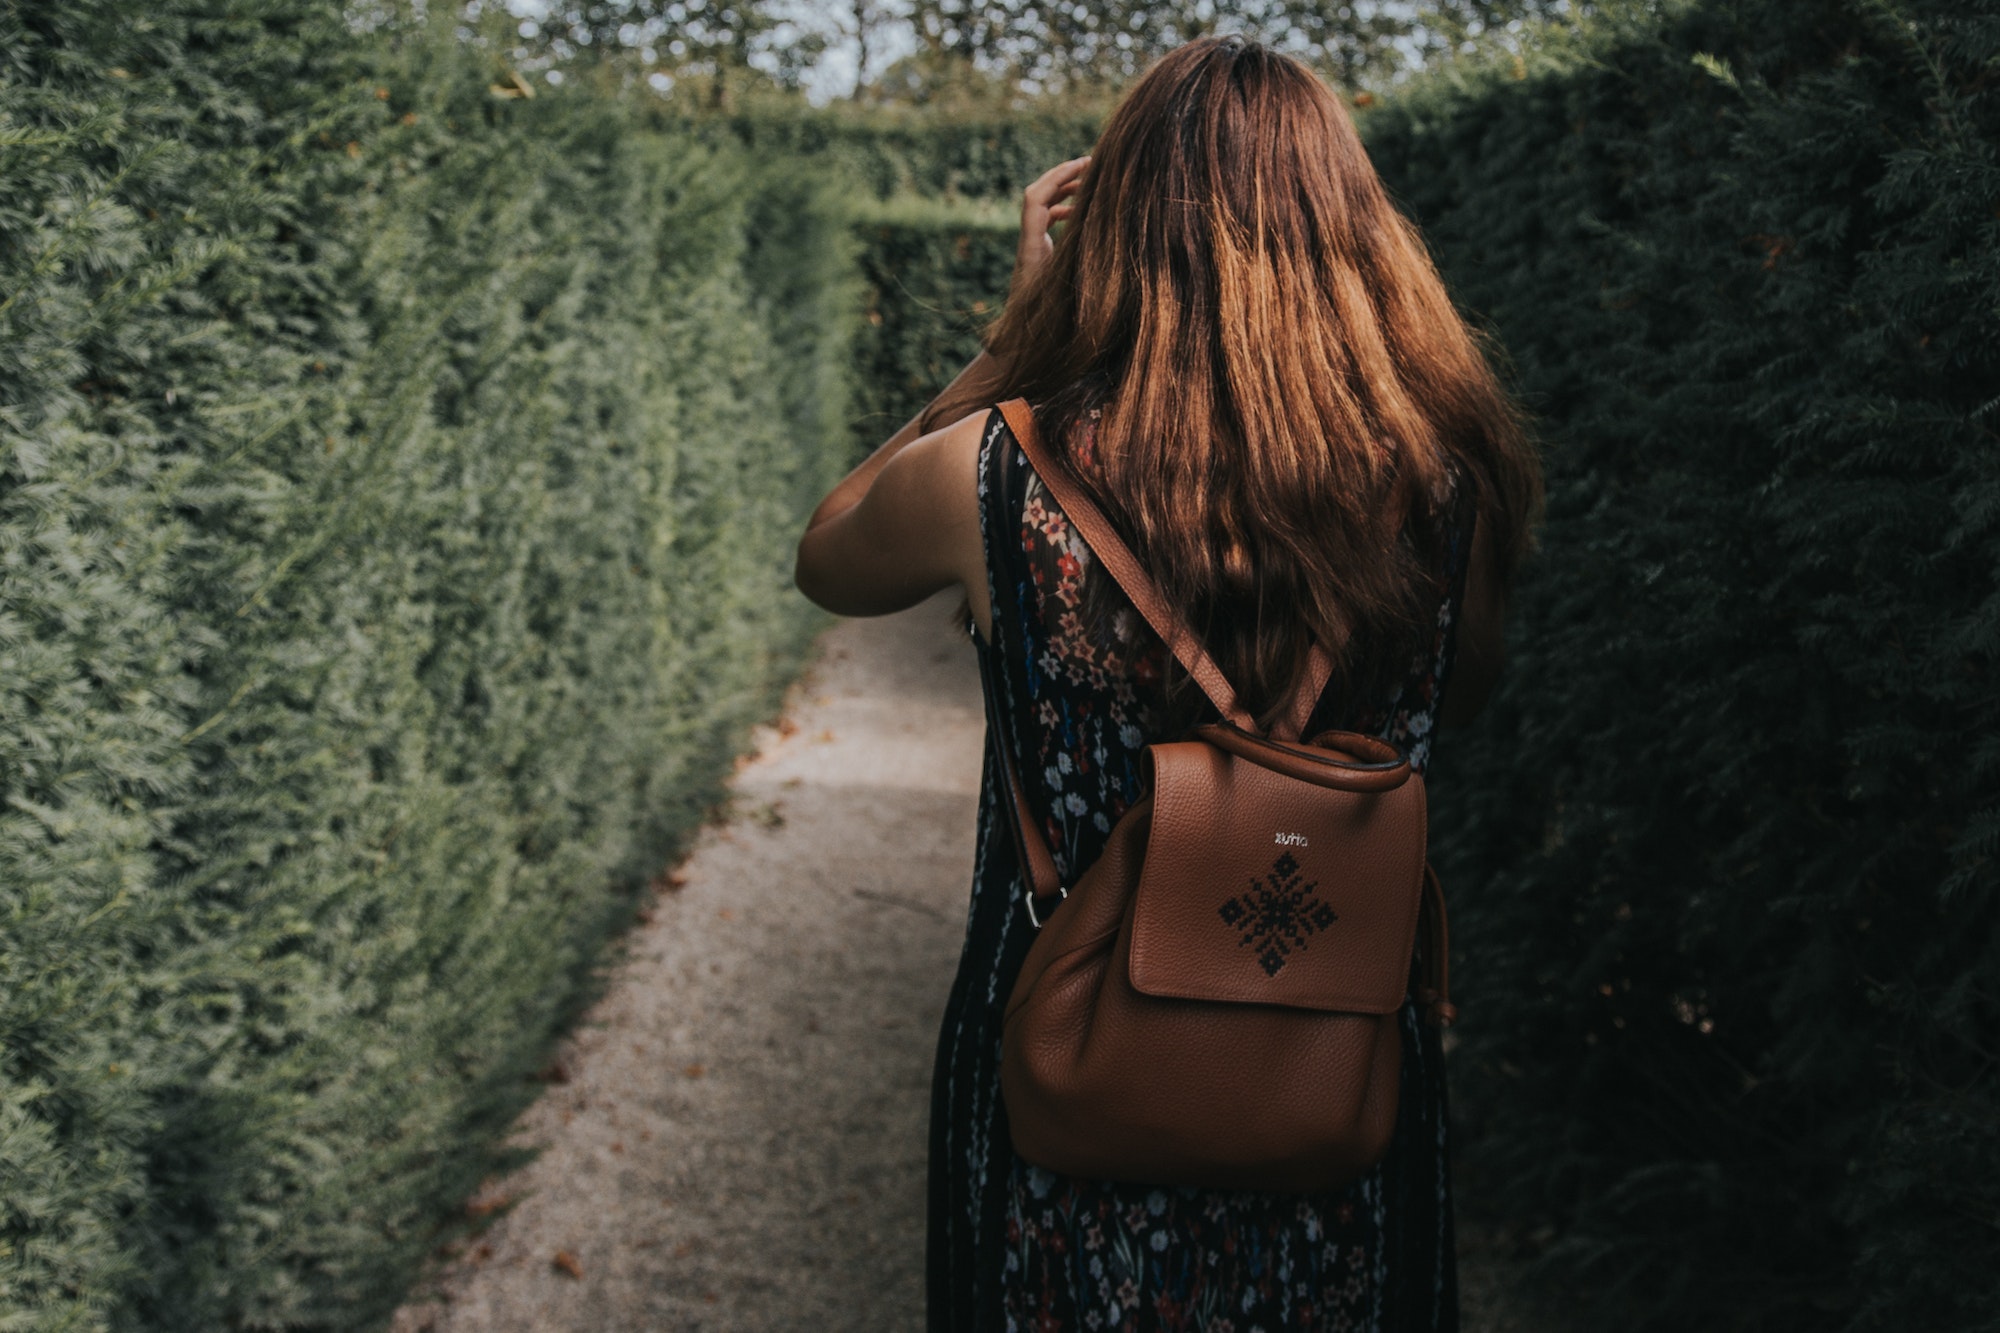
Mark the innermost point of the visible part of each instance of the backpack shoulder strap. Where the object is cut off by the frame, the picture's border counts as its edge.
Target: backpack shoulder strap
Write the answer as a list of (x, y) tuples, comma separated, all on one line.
[(1124, 569), (1037, 864)]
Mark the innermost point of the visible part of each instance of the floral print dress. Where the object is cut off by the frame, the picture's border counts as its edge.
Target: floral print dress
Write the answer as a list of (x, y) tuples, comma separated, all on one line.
[(1074, 682)]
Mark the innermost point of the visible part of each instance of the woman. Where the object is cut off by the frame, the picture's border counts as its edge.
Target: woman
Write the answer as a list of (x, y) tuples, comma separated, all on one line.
[(1243, 351)]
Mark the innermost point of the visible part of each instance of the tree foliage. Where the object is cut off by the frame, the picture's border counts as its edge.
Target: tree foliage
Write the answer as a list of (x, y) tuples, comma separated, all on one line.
[(1052, 44), (998, 50)]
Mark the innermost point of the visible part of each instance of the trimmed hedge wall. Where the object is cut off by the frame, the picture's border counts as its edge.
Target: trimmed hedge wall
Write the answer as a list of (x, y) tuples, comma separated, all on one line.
[(889, 154), (933, 276), (397, 490), (935, 197), (1724, 857)]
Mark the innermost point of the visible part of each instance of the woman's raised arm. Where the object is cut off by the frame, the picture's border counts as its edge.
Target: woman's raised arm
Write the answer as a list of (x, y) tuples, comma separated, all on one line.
[(905, 523)]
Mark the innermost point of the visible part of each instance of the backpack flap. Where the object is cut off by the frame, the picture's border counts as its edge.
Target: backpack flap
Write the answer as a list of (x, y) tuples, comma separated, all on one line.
[(1262, 888)]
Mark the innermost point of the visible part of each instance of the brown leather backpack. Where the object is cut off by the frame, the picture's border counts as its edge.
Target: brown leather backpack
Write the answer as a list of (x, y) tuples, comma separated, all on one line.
[(1215, 1001)]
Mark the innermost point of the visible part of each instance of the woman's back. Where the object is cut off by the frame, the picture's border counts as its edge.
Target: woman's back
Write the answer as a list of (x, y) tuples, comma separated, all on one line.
[(1300, 440), (1077, 684)]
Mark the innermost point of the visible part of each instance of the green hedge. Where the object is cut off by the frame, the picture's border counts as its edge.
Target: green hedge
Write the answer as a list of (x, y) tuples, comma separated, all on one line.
[(933, 154), (933, 276), (934, 194), (1724, 857), (935, 203), (397, 485)]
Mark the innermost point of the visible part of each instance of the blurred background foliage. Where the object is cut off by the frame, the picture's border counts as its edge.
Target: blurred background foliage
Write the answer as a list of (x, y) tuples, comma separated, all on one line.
[(999, 52), (404, 423)]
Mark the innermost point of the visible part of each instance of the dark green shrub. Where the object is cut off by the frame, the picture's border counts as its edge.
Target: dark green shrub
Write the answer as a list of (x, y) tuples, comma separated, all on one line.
[(1724, 856), (397, 486)]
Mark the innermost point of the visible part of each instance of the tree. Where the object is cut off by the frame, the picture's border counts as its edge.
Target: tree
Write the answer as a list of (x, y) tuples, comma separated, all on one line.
[(717, 42), (1000, 48), (1061, 44)]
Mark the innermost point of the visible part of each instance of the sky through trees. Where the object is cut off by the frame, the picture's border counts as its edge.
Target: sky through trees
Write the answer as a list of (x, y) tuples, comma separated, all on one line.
[(926, 50)]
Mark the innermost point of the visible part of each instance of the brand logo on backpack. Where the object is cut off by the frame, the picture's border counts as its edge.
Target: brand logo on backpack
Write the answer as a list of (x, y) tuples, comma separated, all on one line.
[(1278, 914)]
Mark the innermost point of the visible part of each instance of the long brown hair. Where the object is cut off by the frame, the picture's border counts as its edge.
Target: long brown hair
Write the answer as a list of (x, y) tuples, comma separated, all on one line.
[(1287, 395)]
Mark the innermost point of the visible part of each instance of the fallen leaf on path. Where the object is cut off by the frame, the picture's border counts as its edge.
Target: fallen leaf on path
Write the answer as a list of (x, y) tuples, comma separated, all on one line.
[(486, 1207), (694, 1071), (726, 914), (568, 1263), (826, 735), (555, 1071), (787, 728)]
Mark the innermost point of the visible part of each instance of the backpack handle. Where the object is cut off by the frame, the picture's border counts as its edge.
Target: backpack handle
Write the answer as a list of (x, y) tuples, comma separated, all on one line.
[(1345, 760)]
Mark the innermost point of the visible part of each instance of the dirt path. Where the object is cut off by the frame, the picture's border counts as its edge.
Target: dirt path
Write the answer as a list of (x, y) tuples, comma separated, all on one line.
[(739, 1142)]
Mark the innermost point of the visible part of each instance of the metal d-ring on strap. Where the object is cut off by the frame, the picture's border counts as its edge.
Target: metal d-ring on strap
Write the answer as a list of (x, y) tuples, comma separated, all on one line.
[(1028, 899)]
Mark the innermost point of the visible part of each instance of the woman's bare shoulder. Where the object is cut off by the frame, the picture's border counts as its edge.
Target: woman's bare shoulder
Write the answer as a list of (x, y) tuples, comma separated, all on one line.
[(945, 468)]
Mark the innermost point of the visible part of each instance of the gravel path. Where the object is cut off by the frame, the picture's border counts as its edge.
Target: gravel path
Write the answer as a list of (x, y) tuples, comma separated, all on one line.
[(735, 1135), (740, 1141)]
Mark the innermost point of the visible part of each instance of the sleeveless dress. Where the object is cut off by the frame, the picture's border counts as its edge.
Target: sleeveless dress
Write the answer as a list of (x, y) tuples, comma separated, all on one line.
[(1074, 677)]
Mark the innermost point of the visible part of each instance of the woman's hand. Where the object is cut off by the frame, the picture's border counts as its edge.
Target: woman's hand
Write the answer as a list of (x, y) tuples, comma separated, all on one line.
[(1041, 208)]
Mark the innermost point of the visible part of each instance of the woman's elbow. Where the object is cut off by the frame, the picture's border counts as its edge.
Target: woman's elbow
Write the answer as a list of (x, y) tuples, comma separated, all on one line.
[(830, 582), (808, 577)]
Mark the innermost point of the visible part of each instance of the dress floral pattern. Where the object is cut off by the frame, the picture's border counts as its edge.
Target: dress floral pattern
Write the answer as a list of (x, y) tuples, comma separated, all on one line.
[(1075, 680)]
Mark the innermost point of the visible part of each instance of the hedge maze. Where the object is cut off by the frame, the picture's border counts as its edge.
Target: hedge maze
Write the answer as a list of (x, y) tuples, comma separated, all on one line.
[(398, 477)]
